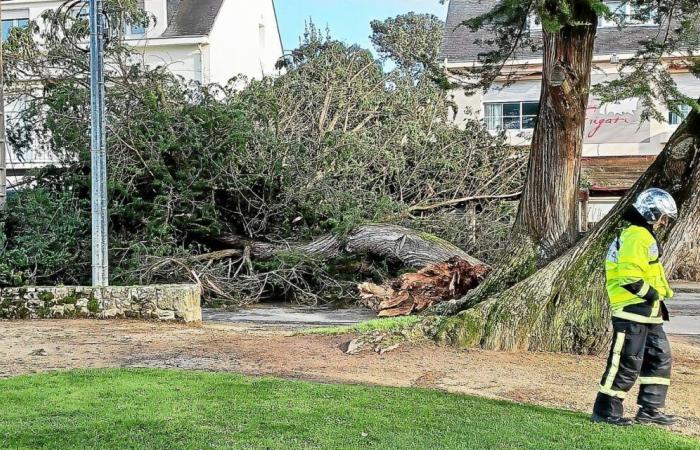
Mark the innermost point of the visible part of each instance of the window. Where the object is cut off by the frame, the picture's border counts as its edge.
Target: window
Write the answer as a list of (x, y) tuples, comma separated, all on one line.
[(14, 19), (261, 35), (82, 12), (624, 13), (675, 119), (137, 29), (511, 115)]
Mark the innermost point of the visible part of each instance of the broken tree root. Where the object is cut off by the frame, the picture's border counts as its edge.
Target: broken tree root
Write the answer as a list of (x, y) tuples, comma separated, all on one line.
[(415, 292)]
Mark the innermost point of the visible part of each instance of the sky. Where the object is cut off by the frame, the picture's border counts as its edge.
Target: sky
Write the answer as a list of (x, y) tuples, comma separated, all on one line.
[(348, 20)]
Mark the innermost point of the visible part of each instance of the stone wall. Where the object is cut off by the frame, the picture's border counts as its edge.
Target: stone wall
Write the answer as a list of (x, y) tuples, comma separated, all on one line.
[(179, 303)]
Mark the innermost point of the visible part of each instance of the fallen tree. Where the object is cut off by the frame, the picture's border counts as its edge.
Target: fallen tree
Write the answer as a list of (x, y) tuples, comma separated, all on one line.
[(400, 245), (260, 189)]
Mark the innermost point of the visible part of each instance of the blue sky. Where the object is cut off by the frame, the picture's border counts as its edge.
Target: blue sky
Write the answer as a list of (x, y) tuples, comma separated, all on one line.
[(348, 19)]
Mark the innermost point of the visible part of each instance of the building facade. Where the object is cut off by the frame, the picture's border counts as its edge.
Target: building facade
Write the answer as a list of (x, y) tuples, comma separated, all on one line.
[(208, 41), (618, 144)]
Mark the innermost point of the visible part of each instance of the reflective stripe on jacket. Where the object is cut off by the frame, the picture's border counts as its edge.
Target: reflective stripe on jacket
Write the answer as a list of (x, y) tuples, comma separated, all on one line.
[(634, 257)]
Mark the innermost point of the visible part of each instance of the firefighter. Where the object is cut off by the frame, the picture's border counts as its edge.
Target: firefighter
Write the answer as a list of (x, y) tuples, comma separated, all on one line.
[(637, 286)]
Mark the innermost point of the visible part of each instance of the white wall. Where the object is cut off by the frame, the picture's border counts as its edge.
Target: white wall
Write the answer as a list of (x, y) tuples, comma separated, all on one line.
[(186, 60), (245, 40), (159, 10)]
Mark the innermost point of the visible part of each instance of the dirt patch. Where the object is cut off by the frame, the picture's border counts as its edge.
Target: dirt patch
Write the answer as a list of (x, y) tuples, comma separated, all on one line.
[(554, 380)]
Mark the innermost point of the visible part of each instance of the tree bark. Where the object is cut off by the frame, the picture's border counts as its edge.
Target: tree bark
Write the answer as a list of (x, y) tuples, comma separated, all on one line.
[(547, 221), (409, 247), (563, 307), (548, 208)]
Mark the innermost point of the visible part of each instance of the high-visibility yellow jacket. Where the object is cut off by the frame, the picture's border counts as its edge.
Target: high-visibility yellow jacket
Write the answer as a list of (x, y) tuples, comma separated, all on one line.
[(636, 280)]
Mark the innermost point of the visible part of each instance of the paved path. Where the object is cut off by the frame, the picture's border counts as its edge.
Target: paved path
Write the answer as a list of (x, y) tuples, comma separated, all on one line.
[(685, 314), (288, 316)]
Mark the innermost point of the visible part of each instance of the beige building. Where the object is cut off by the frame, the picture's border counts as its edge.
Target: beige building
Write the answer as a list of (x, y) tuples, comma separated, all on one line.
[(618, 144)]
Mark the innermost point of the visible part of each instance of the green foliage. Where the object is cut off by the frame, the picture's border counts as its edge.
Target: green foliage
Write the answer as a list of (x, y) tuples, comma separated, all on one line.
[(93, 306), (333, 143), (45, 239), (194, 410), (412, 41)]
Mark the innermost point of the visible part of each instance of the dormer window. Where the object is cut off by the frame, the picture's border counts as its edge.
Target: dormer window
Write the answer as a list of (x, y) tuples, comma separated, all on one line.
[(14, 19), (624, 13)]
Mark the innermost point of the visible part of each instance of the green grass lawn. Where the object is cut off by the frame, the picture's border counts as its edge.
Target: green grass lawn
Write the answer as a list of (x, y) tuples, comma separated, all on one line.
[(155, 409), (388, 324)]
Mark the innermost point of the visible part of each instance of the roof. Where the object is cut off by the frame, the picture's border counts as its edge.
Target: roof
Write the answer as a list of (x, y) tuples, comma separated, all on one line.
[(608, 173), (191, 17), (460, 43)]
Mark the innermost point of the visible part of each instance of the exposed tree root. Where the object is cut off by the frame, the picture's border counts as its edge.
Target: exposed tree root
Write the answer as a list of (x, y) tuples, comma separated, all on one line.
[(414, 292)]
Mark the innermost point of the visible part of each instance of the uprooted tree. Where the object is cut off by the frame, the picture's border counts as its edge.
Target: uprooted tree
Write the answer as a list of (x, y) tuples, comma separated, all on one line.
[(293, 188)]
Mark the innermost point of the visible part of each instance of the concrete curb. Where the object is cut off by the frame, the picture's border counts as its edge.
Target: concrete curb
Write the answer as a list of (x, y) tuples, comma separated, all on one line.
[(685, 287)]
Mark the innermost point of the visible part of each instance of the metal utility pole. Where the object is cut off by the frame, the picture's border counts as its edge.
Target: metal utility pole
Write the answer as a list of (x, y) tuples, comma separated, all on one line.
[(3, 161), (98, 148)]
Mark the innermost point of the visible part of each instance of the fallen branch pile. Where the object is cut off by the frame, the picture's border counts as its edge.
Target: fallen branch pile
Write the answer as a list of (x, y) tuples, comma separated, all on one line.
[(415, 292)]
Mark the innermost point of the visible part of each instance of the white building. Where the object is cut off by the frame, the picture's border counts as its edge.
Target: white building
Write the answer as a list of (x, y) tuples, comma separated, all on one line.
[(209, 41), (618, 145)]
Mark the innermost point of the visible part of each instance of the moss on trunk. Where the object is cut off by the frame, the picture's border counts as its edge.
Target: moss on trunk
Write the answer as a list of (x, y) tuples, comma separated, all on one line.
[(563, 307)]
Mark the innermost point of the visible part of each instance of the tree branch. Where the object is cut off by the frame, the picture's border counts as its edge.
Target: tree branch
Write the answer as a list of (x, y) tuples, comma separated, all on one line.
[(457, 201)]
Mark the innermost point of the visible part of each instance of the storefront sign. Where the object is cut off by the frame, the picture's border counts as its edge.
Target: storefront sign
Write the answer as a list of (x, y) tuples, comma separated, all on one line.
[(615, 123)]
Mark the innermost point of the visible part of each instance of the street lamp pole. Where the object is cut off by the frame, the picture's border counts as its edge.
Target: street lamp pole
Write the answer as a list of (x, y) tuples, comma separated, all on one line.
[(98, 147), (3, 143)]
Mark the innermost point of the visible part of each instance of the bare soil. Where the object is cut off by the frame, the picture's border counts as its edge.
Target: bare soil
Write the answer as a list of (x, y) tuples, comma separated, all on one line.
[(553, 380)]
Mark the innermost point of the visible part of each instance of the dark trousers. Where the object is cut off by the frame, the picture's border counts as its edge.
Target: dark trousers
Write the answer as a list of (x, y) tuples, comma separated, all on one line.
[(638, 350)]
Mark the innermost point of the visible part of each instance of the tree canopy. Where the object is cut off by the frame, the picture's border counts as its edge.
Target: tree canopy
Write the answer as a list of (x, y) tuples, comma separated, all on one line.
[(412, 41), (194, 171)]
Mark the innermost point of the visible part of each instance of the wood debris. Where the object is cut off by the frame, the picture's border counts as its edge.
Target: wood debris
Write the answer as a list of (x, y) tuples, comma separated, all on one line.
[(415, 292)]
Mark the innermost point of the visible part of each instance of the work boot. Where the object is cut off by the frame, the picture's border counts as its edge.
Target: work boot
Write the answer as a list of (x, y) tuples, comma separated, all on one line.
[(612, 420), (653, 415)]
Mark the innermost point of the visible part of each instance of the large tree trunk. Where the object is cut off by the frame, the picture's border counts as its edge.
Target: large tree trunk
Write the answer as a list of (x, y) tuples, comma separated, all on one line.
[(547, 220), (411, 248), (563, 306), (548, 210)]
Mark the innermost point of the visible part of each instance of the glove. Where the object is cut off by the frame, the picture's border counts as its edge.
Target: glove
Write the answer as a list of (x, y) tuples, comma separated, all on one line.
[(664, 311)]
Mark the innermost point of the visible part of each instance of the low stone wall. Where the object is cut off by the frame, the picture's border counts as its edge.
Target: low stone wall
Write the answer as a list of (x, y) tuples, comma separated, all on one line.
[(181, 303)]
